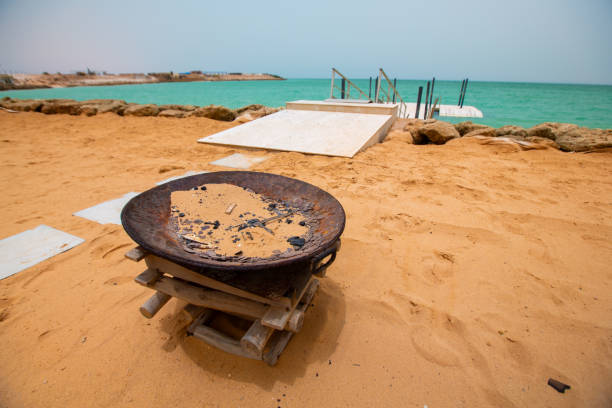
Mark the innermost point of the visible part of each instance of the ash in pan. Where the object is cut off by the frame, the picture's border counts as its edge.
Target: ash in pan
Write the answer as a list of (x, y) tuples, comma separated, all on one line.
[(225, 222)]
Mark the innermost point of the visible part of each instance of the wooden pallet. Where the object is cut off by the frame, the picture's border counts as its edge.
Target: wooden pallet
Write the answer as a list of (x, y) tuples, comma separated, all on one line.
[(274, 320)]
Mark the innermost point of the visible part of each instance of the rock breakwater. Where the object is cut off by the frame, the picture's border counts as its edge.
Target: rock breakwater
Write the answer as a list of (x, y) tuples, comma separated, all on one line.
[(563, 136), (123, 108)]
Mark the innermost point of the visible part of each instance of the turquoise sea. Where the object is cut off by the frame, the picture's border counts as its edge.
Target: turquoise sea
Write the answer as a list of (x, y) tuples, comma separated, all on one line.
[(502, 103)]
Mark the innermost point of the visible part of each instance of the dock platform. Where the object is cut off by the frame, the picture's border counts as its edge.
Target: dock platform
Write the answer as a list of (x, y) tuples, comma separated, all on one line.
[(445, 110)]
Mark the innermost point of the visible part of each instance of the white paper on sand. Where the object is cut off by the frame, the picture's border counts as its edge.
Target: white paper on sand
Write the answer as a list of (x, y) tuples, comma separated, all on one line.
[(108, 212), (239, 161), (30, 247), (189, 173)]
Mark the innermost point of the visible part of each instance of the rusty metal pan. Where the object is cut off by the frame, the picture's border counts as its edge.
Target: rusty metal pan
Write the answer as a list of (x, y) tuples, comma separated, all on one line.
[(146, 218)]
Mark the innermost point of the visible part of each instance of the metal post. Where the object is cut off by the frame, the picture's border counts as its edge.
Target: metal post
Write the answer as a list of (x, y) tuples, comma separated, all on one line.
[(461, 92), (394, 88), (433, 82), (416, 115), (376, 89), (342, 91), (464, 89), (370, 93), (331, 92), (426, 101)]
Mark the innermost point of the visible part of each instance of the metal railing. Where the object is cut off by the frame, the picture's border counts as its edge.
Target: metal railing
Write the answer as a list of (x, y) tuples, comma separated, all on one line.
[(432, 109), (391, 93), (344, 92)]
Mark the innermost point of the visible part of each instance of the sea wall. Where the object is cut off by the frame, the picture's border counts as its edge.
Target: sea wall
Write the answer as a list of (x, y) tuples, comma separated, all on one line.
[(119, 107)]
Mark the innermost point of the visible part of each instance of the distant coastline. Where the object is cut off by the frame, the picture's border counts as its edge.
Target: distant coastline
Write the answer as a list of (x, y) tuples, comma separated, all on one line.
[(59, 80)]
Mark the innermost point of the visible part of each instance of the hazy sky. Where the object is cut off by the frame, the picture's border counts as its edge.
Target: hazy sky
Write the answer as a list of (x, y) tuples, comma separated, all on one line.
[(517, 40)]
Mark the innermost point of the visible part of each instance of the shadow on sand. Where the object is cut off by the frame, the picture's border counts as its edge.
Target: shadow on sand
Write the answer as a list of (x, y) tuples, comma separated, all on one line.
[(315, 342)]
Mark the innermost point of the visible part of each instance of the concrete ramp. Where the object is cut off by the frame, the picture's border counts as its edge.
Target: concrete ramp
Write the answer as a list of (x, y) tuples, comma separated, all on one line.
[(308, 131)]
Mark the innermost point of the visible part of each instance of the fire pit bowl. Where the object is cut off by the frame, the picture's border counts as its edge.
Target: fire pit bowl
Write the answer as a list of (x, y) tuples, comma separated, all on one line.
[(146, 219)]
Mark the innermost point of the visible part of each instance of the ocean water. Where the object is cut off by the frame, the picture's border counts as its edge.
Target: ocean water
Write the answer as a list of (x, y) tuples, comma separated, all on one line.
[(502, 103)]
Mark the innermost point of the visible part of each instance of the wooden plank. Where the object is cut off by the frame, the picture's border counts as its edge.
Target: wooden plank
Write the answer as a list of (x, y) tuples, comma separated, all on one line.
[(210, 298), (309, 295), (230, 208), (255, 339), (154, 304), (279, 340), (277, 346), (202, 319), (148, 277), (192, 312), (296, 321), (221, 341), (165, 266), (136, 254), (277, 318)]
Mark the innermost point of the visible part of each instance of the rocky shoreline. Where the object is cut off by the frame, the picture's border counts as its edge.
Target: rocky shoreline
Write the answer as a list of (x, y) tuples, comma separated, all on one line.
[(123, 108), (90, 78), (563, 136)]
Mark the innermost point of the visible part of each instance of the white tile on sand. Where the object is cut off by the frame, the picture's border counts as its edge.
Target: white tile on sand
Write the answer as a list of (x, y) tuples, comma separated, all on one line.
[(239, 161), (30, 247), (108, 212), (189, 173)]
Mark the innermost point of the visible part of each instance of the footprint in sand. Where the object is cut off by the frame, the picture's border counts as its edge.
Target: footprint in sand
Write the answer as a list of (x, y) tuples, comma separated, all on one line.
[(433, 348)]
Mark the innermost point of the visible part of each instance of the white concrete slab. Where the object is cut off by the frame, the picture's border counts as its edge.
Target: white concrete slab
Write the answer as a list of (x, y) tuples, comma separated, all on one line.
[(239, 161), (344, 105), (108, 212), (30, 247), (189, 173), (327, 133), (445, 110)]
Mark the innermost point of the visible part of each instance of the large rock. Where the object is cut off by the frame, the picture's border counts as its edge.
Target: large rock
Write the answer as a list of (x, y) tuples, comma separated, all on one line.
[(438, 132), (411, 126), (541, 130), (483, 131), (244, 118), (254, 111), (253, 107), (25, 105), (67, 106), (514, 132), (184, 108), (543, 141), (583, 139), (400, 134), (112, 105), (89, 110), (215, 112), (172, 113), (466, 127), (141, 110)]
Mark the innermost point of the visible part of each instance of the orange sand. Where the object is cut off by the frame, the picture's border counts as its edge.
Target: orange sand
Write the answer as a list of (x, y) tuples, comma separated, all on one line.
[(468, 276), (200, 207)]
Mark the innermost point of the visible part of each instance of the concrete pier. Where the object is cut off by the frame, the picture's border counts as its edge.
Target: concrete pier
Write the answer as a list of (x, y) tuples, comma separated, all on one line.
[(445, 110)]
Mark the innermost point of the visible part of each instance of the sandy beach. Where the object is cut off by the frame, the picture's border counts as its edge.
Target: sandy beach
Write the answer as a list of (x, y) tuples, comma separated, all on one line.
[(469, 275)]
